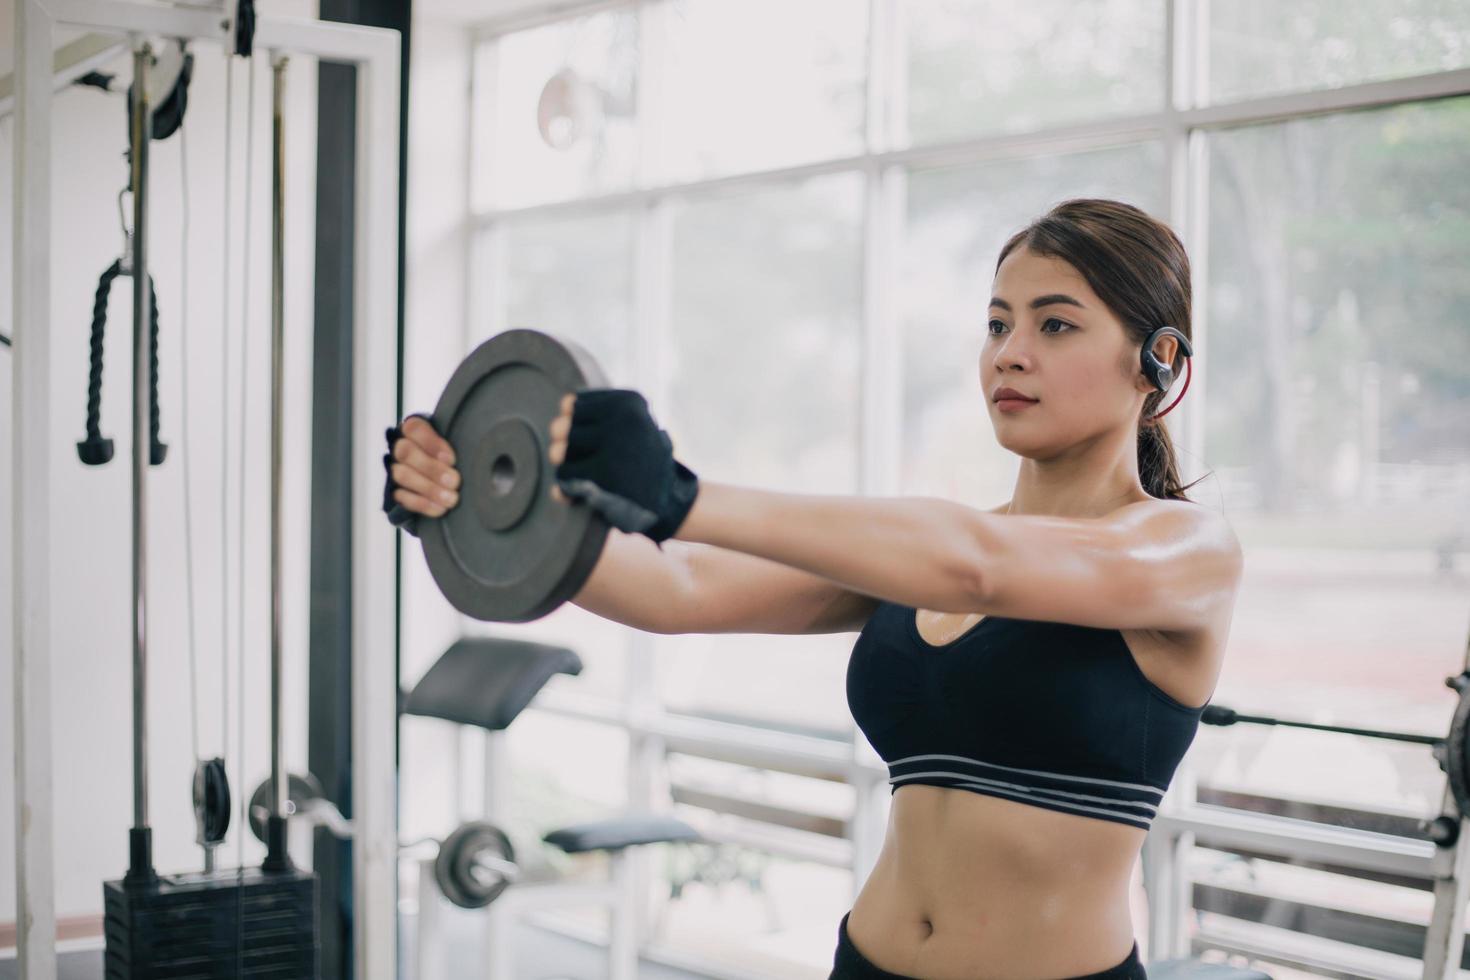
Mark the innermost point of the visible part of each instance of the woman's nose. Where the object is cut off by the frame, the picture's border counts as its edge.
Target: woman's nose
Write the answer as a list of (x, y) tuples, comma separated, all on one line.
[(1010, 353)]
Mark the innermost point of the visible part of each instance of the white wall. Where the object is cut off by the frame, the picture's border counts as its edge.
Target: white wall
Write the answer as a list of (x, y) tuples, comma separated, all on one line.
[(90, 587)]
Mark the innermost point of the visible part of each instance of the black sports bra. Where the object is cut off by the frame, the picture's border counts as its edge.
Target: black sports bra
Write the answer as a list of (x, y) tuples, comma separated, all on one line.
[(1053, 715)]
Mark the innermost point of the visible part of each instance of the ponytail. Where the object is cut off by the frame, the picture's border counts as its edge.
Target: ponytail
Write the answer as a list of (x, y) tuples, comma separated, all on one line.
[(1158, 469)]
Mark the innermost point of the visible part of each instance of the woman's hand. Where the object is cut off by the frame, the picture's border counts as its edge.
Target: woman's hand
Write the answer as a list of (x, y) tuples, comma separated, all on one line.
[(560, 426), (609, 452), (421, 474)]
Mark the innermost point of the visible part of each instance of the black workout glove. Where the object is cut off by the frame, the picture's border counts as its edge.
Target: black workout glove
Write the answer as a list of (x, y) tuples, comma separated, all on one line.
[(622, 465), (398, 515)]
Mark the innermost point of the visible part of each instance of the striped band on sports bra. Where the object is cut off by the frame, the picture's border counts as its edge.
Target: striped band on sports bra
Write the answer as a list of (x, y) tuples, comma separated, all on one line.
[(1132, 803)]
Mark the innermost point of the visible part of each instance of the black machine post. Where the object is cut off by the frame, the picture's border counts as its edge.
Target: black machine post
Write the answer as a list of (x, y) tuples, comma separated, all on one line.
[(276, 857), (140, 850)]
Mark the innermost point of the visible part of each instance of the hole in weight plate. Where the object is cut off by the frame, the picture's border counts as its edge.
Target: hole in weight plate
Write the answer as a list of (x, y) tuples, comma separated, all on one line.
[(502, 475)]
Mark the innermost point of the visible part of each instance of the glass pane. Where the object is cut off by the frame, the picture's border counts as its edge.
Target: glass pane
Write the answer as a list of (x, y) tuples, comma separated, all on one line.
[(1338, 423), (802, 900), (761, 84), (976, 66), (958, 219), (1260, 47), (563, 771), (756, 912), (572, 277), (752, 912), (766, 314), (555, 111), (763, 370)]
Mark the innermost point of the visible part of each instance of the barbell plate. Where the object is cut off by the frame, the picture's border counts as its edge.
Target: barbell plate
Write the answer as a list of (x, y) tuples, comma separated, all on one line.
[(454, 868), (1457, 746), (509, 552)]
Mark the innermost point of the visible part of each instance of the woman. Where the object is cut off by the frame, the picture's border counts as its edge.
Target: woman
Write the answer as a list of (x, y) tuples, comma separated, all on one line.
[(1033, 673)]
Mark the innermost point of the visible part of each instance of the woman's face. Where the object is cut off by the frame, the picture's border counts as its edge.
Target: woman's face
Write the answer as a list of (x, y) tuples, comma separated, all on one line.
[(1050, 338)]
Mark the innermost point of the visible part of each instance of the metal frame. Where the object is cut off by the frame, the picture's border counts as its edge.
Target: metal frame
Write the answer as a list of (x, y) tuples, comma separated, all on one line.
[(546, 13), (374, 695), (70, 62), (1182, 125)]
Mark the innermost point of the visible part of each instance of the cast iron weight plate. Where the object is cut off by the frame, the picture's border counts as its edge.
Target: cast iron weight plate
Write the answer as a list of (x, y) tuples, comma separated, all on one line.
[(508, 552)]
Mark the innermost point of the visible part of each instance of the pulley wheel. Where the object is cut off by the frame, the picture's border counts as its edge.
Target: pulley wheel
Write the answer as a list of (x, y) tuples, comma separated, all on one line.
[(508, 552), (211, 801), (301, 788)]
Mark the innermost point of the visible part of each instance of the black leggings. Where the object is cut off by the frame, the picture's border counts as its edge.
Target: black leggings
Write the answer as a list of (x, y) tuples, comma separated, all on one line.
[(849, 964)]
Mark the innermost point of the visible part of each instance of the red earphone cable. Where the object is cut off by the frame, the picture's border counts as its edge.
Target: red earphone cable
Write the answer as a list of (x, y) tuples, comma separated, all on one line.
[(1188, 373)]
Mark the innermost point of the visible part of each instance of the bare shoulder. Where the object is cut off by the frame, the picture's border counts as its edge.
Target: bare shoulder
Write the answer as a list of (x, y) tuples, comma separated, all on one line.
[(1206, 568), (1192, 540), (1168, 518)]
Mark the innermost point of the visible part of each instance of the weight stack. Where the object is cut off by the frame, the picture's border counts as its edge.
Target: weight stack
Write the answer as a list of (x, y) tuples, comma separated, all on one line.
[(186, 926)]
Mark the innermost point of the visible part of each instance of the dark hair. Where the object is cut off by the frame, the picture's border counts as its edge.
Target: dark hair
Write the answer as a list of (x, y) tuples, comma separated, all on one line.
[(1139, 268)]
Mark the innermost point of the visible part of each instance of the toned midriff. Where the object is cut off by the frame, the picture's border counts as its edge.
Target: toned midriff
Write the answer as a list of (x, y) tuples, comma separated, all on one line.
[(973, 886)]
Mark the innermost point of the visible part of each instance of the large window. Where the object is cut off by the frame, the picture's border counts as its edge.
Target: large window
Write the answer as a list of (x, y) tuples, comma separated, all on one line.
[(761, 84), (782, 221), (1263, 47), (556, 111), (763, 363), (975, 66), (958, 219), (1338, 367)]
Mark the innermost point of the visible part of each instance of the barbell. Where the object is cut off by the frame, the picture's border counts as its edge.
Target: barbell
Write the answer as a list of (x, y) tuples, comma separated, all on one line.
[(1450, 751), (473, 866)]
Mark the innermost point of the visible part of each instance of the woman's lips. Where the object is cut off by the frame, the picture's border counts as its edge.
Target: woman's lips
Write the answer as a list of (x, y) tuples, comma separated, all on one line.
[(1013, 404)]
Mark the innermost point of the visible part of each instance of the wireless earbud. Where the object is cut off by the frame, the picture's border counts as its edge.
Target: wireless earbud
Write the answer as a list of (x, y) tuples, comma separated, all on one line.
[(1161, 374)]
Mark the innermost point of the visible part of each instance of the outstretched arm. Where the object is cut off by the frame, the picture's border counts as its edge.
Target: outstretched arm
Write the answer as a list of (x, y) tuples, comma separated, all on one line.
[(1164, 565), (911, 550)]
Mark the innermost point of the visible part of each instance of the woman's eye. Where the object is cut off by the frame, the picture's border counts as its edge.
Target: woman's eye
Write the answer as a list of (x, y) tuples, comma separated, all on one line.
[(1049, 320)]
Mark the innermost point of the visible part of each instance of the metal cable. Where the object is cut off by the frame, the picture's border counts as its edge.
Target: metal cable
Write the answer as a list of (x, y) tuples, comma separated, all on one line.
[(184, 434), (224, 427), (244, 428)]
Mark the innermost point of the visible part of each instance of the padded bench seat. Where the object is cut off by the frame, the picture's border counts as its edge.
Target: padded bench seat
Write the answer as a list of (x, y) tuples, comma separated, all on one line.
[(616, 833)]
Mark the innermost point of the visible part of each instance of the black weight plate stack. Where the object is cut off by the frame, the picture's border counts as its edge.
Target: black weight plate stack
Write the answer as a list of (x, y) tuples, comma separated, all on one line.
[(193, 925), (508, 552)]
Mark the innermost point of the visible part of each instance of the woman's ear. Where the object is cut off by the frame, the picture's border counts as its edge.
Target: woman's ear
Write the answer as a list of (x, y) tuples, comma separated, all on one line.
[(1165, 349)]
